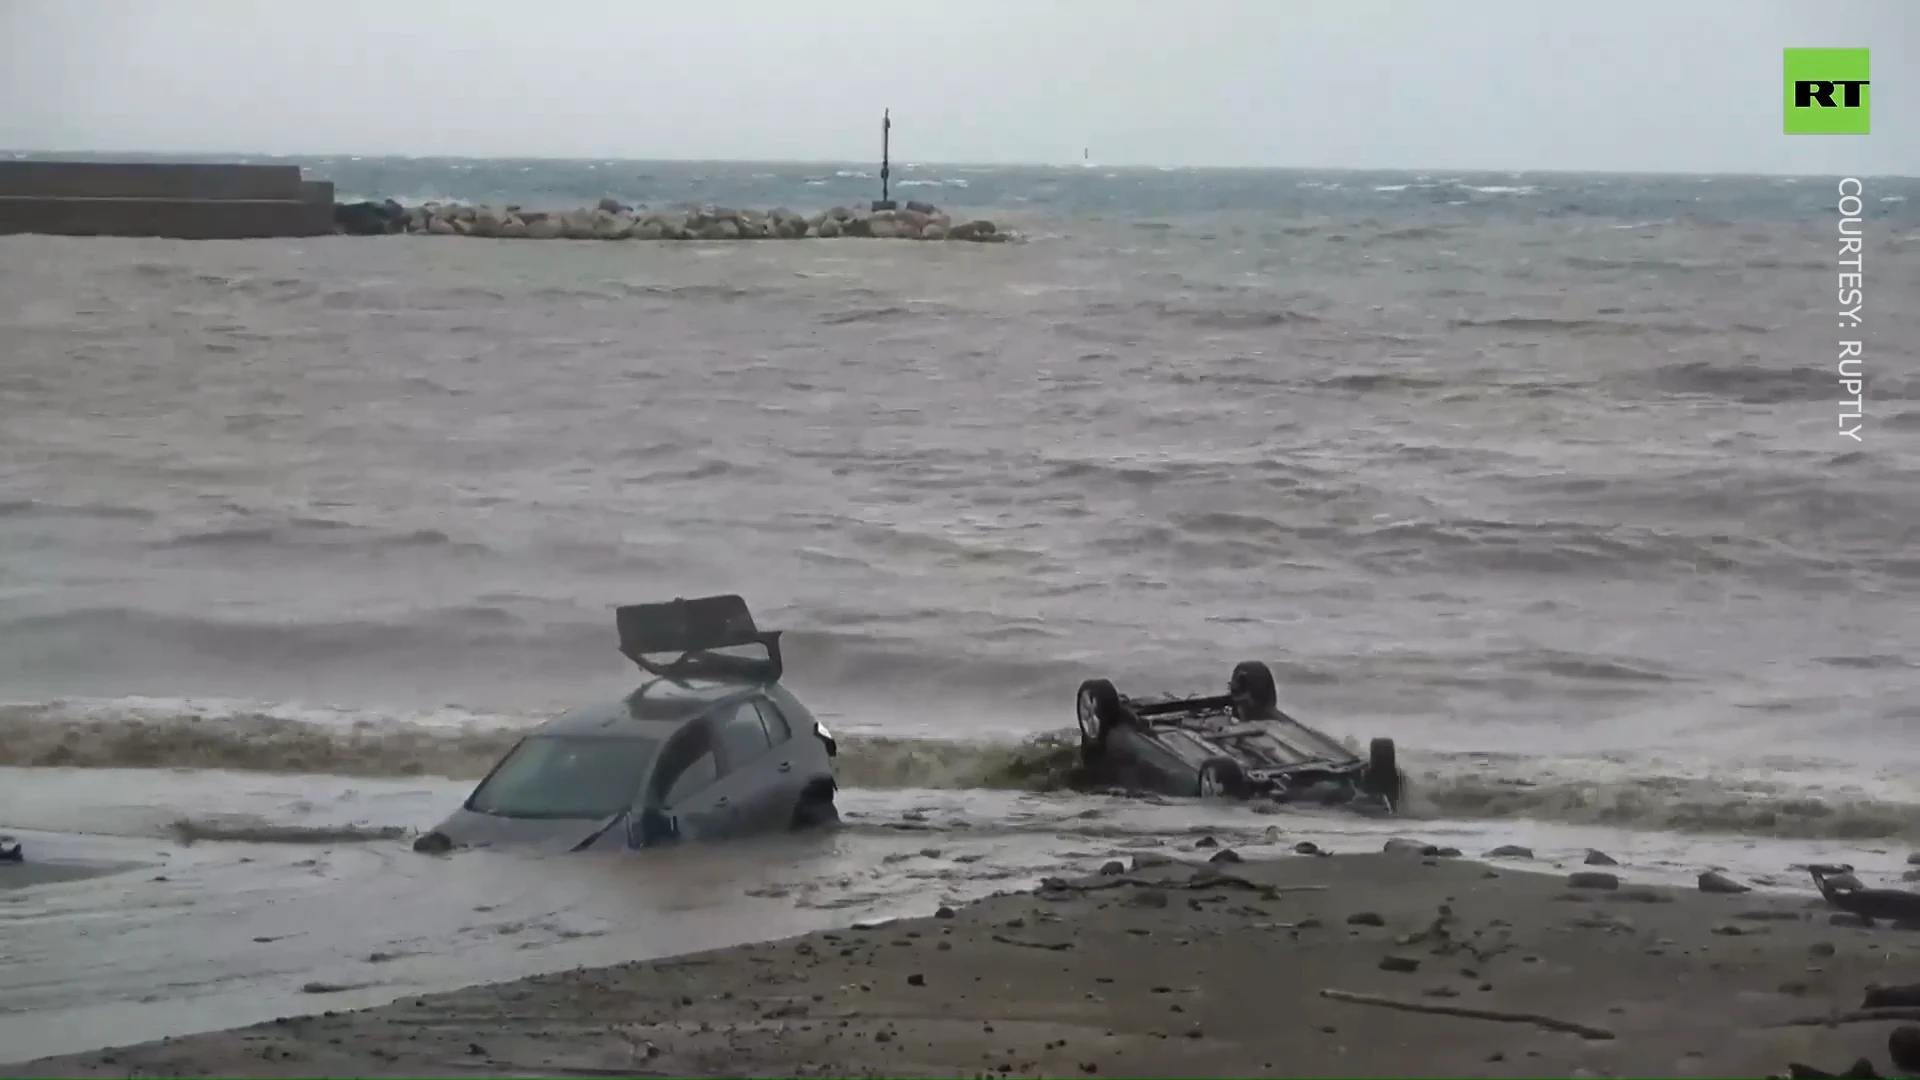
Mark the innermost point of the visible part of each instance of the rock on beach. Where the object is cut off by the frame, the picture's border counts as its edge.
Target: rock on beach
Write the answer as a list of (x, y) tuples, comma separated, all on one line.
[(614, 220)]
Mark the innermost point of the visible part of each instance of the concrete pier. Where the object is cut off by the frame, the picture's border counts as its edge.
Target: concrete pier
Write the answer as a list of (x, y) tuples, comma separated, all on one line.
[(162, 199)]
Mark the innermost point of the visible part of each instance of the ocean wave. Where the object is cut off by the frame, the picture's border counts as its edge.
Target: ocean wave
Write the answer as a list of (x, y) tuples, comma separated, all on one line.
[(1205, 317), (1748, 384), (443, 633), (313, 532), (238, 829), (1677, 804), (463, 746), (35, 508), (1545, 325)]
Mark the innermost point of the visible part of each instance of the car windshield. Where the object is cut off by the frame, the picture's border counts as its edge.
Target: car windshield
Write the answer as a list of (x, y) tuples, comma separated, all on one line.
[(566, 776)]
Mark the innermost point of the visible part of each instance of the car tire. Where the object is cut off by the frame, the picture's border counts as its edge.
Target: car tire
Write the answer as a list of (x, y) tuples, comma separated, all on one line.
[(1383, 776), (815, 810), (1252, 682), (1098, 709), (655, 828), (433, 843), (1221, 778)]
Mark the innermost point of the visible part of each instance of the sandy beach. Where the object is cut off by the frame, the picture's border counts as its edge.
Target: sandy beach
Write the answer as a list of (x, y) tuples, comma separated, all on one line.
[(1167, 967)]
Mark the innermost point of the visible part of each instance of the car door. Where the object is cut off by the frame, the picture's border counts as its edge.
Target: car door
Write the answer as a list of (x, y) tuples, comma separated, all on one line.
[(791, 767), (687, 794), (754, 783)]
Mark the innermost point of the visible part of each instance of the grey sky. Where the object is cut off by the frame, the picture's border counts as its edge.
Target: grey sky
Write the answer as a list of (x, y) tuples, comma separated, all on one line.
[(1631, 85)]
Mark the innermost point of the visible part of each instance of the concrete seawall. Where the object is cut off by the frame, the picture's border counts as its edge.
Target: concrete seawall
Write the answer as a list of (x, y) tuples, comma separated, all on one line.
[(183, 201)]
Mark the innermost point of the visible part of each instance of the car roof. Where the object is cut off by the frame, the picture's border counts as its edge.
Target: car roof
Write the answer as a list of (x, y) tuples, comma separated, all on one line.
[(654, 711)]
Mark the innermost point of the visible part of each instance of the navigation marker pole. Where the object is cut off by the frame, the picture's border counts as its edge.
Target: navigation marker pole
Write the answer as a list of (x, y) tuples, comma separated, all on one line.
[(884, 202)]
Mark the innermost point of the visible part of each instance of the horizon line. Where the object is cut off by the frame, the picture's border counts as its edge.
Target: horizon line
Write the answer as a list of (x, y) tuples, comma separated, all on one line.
[(19, 153)]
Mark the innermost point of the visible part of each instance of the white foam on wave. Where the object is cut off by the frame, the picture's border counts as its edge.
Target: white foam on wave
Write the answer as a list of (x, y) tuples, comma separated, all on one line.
[(1684, 791)]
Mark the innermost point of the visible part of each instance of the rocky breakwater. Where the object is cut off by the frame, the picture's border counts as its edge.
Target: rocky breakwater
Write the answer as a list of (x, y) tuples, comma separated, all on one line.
[(613, 220)]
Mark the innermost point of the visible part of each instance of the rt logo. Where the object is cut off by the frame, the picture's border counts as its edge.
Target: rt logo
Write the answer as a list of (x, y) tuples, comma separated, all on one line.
[(1827, 92)]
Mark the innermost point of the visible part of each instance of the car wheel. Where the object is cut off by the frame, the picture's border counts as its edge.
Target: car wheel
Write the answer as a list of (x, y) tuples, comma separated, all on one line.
[(1383, 777), (1221, 778), (1099, 710), (656, 828), (433, 843), (1252, 682), (815, 809)]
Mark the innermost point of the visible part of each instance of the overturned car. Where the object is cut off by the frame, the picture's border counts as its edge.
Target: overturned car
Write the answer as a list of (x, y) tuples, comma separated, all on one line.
[(1233, 745), (711, 748)]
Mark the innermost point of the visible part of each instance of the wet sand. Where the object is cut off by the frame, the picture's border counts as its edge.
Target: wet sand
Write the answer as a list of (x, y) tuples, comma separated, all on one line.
[(1171, 969)]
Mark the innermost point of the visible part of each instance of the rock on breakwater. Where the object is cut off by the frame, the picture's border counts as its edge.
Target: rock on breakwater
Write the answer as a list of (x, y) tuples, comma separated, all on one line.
[(614, 220)]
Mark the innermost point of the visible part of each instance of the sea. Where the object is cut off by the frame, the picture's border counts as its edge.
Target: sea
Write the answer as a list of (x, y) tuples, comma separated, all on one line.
[(1543, 475)]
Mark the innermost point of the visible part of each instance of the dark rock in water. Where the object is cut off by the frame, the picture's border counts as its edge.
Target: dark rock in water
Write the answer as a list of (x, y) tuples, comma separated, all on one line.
[(10, 850), (1510, 851), (1401, 964), (1903, 1046), (1914, 859), (919, 207), (1890, 997), (1713, 881), (1226, 855), (1206, 842), (1861, 1069), (1149, 860), (370, 218), (1593, 879), (1366, 918), (1402, 846), (1113, 868), (1596, 857), (973, 230), (1841, 890), (1306, 847)]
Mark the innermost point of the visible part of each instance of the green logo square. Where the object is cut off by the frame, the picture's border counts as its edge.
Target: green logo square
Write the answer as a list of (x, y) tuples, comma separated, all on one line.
[(1827, 91)]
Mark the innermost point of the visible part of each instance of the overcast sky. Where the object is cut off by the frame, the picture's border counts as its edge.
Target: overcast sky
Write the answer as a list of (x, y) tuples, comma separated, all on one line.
[(1627, 85)]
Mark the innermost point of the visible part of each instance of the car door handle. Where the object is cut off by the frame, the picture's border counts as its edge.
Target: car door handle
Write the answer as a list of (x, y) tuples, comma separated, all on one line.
[(786, 766), (720, 802)]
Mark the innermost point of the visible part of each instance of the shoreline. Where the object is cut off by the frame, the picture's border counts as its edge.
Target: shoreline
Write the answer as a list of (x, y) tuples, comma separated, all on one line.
[(1166, 968)]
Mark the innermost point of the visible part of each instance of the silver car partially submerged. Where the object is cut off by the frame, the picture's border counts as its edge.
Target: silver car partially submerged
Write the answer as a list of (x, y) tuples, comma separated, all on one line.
[(712, 748)]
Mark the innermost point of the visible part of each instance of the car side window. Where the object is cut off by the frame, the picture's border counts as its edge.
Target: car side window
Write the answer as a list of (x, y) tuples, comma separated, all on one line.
[(742, 736), (697, 774), (778, 730)]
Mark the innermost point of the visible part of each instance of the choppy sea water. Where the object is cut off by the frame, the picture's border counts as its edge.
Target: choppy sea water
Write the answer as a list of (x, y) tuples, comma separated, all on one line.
[(1539, 474)]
